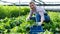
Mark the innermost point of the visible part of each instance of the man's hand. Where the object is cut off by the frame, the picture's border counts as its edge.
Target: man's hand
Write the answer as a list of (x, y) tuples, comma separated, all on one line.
[(27, 19), (40, 23)]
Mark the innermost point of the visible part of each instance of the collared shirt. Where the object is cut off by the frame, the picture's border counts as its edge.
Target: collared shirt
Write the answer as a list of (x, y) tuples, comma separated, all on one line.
[(40, 10)]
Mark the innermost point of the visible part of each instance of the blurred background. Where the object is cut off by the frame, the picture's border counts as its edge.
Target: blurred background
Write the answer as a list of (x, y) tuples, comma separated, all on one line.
[(13, 15)]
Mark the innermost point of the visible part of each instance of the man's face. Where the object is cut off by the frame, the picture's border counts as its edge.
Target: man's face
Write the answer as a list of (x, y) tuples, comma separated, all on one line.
[(32, 5)]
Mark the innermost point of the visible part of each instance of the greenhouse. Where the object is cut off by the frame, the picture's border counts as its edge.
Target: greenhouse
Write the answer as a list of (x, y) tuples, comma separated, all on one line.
[(16, 17)]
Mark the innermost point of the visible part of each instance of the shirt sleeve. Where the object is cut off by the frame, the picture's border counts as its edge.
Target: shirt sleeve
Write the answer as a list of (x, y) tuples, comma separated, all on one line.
[(43, 9), (41, 12), (30, 14)]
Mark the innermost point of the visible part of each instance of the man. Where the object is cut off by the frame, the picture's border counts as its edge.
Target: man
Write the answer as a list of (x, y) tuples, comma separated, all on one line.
[(40, 17), (39, 13)]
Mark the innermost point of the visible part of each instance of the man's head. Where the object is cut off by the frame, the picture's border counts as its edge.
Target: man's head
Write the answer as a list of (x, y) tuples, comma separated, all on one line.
[(32, 5)]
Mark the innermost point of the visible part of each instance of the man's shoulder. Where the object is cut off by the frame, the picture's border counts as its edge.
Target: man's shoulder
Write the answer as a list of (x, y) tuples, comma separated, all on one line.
[(39, 7)]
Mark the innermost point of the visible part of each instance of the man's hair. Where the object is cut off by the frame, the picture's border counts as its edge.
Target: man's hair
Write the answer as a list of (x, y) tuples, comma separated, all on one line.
[(31, 3)]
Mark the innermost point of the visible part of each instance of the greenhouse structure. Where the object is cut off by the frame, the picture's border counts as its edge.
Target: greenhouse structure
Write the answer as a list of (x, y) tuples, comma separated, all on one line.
[(13, 14)]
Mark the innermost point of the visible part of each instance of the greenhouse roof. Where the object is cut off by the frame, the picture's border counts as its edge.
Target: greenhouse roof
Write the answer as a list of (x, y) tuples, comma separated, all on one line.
[(26, 2)]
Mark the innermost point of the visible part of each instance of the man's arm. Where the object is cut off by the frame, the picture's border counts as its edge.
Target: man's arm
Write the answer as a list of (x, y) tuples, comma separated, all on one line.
[(42, 15), (30, 14), (42, 18)]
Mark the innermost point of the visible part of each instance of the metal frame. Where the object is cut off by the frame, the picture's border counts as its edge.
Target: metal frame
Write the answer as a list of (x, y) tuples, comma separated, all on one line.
[(28, 5)]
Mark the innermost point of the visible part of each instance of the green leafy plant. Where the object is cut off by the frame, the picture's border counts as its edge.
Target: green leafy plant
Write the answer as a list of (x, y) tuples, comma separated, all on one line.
[(13, 20)]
